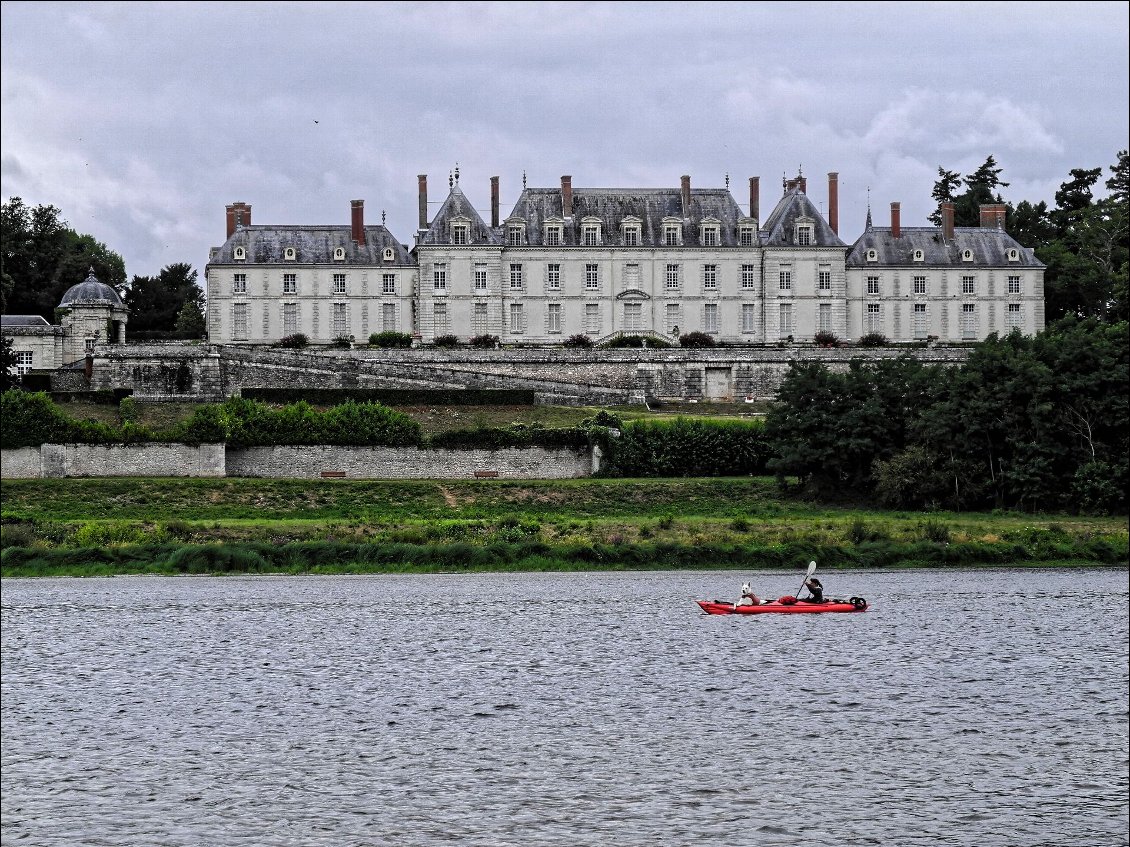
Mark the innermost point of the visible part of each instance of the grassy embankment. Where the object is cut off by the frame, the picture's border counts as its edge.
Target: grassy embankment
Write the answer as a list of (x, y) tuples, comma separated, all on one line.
[(88, 527)]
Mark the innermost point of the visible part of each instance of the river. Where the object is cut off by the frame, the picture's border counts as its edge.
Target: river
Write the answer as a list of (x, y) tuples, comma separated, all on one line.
[(966, 707)]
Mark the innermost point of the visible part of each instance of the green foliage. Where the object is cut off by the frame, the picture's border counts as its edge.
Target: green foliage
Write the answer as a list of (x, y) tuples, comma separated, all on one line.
[(446, 341), (190, 320), (688, 447), (696, 339), (826, 339), (396, 396), (9, 377), (249, 423), (127, 410), (157, 303), (28, 419), (516, 435), (578, 342), (390, 339), (342, 342), (293, 342), (872, 339), (485, 341)]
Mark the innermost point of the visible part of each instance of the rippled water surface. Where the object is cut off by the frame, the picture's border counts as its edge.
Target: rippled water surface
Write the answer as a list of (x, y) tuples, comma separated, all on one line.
[(967, 708)]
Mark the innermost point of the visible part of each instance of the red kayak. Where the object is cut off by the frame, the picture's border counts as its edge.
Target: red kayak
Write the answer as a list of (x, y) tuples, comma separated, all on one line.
[(785, 606)]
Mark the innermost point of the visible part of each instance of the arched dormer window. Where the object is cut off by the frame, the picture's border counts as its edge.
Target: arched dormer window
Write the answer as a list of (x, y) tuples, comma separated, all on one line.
[(591, 235), (710, 233), (290, 254), (516, 233), (388, 255), (554, 232), (967, 255), (631, 229), (672, 232), (872, 255), (1013, 254), (919, 256), (339, 254), (747, 235), (239, 254)]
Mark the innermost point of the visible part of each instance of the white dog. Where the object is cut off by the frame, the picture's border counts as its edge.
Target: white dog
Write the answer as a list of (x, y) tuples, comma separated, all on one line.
[(748, 597)]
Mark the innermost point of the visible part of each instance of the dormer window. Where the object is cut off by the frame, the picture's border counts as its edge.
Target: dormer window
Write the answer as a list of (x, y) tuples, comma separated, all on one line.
[(710, 235), (339, 254), (554, 235), (590, 233), (919, 256), (872, 255), (388, 255), (516, 235), (967, 255), (803, 235), (289, 254), (1013, 254), (631, 230), (746, 235), (460, 234), (239, 254), (672, 234)]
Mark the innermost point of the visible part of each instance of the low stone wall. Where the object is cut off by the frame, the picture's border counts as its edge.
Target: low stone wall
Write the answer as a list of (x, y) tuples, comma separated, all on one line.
[(21, 463), (65, 460), (408, 463)]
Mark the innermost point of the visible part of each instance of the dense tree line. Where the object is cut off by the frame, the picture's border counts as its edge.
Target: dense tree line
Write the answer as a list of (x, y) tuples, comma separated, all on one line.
[(1035, 423)]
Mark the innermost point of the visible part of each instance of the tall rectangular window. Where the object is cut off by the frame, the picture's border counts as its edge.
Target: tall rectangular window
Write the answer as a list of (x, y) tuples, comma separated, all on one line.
[(479, 318), (514, 236), (749, 317), (590, 235), (673, 318), (480, 277), (633, 316), (239, 322), (339, 283), (968, 320), (631, 237), (709, 236), (785, 319), (388, 284), (24, 360), (239, 284), (554, 316), (749, 276), (388, 317), (460, 234), (969, 285), (872, 285), (671, 235), (516, 276), (290, 318), (1014, 285), (824, 321), (785, 279), (290, 283), (592, 277), (672, 277), (553, 276), (439, 276), (710, 277), (710, 317), (1014, 319), (440, 322), (919, 283), (920, 329), (631, 275), (552, 236), (824, 279), (517, 318), (341, 321), (592, 318), (874, 318), (745, 236), (804, 235)]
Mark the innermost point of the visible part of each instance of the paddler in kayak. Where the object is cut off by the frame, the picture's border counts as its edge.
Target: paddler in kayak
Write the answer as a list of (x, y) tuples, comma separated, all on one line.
[(815, 591)]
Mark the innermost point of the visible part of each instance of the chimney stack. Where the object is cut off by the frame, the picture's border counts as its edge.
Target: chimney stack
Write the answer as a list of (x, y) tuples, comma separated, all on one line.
[(686, 190), (423, 182), (896, 220), (947, 221), (755, 197), (992, 216), (494, 202), (834, 201), (802, 181), (357, 221), (238, 216), (567, 196)]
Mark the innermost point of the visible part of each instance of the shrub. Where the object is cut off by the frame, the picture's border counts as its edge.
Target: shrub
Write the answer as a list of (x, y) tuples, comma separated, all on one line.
[(127, 410), (446, 341), (626, 341), (873, 339), (390, 339), (696, 339), (485, 342), (578, 342), (826, 339), (293, 342), (342, 342)]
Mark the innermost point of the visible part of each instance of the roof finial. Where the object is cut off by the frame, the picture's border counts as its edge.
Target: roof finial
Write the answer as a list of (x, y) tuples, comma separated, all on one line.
[(800, 170), (727, 182), (523, 180), (868, 225), (457, 172), (450, 180), (383, 213)]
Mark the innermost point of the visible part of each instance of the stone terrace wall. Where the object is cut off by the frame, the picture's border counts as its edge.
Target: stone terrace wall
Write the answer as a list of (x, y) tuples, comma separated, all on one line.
[(21, 463), (66, 460)]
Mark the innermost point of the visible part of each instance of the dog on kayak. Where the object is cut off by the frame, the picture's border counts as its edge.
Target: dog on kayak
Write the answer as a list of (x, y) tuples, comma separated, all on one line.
[(748, 597)]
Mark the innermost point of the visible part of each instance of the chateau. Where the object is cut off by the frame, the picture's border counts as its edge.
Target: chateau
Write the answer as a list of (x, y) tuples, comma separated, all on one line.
[(603, 262)]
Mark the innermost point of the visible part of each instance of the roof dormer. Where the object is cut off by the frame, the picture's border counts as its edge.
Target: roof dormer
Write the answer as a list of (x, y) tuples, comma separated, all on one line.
[(1013, 254), (967, 255), (239, 253), (290, 254), (872, 255), (339, 254), (919, 256)]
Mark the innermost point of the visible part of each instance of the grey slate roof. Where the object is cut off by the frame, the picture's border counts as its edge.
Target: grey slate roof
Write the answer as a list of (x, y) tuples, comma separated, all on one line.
[(266, 245), (91, 291), (613, 205), (779, 229), (23, 320), (458, 206), (990, 248)]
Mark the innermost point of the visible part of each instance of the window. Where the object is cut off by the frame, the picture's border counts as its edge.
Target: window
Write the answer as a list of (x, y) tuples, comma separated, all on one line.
[(439, 276), (239, 322), (633, 316), (290, 283), (710, 236), (824, 279), (631, 275), (341, 320), (745, 236), (785, 315), (590, 235), (672, 277), (968, 320), (785, 279), (440, 323), (919, 285), (239, 254), (1013, 255), (632, 236), (874, 317), (710, 317), (239, 284), (920, 321), (290, 318), (919, 256), (553, 236), (24, 359), (480, 277), (749, 317), (388, 284), (516, 280), (1014, 285), (710, 277), (672, 313), (339, 283), (88, 345), (872, 255), (388, 254), (804, 236), (339, 254), (592, 277), (671, 233), (517, 318), (554, 318), (824, 319), (967, 255), (460, 234), (553, 276), (479, 318), (514, 235), (1013, 317), (388, 317), (872, 285), (289, 254), (969, 285), (592, 318)]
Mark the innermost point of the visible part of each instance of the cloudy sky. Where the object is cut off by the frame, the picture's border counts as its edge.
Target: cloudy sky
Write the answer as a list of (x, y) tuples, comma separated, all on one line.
[(141, 121)]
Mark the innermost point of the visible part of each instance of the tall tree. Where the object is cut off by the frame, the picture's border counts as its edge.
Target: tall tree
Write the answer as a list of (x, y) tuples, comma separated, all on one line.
[(155, 302), (943, 192)]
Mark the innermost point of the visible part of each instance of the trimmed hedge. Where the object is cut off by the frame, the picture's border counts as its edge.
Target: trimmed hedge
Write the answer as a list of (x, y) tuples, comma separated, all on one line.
[(688, 447), (394, 396)]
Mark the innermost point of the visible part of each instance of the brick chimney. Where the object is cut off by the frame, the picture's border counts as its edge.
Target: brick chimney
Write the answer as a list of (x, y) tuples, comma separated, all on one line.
[(357, 221), (947, 221), (238, 216), (567, 196), (494, 202), (896, 220), (755, 197), (992, 216), (686, 191), (834, 201), (802, 181), (422, 179)]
